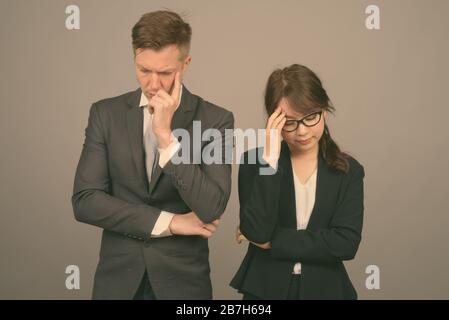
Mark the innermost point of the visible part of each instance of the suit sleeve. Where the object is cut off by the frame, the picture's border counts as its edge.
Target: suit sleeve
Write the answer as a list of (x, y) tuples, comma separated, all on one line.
[(91, 199), (205, 188), (259, 202), (338, 242)]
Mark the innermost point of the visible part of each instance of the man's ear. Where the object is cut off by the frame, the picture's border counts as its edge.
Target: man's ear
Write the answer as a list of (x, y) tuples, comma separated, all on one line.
[(187, 62)]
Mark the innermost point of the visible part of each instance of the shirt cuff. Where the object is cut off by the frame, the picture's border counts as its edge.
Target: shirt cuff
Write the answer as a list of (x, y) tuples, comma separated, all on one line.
[(166, 154), (161, 227)]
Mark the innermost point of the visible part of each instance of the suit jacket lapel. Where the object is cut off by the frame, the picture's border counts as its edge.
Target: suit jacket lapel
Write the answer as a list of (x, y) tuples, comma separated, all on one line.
[(182, 118), (134, 122), (322, 194), (327, 189), (287, 195)]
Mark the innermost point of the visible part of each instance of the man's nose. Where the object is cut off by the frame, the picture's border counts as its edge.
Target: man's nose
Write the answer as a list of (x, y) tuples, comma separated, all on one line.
[(155, 82)]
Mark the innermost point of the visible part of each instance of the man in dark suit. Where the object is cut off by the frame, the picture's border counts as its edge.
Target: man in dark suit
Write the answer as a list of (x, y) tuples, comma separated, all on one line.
[(156, 214)]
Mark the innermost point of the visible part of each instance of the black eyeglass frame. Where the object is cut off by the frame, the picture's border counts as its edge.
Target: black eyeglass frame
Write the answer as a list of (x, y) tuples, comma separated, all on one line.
[(302, 121)]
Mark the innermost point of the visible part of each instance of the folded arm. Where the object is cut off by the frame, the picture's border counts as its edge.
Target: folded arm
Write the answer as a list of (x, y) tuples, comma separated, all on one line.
[(338, 242)]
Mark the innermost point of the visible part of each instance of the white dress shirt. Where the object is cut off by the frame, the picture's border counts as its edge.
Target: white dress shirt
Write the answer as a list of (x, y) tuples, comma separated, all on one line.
[(305, 201), (161, 227)]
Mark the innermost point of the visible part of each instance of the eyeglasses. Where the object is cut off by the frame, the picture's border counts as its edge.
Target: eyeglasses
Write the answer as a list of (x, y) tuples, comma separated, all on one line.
[(309, 120)]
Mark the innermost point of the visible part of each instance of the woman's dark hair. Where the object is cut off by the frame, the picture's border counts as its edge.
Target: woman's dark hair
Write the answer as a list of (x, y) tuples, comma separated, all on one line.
[(304, 92)]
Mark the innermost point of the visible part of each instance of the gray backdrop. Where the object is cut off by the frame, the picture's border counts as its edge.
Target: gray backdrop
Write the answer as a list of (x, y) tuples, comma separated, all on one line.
[(389, 87)]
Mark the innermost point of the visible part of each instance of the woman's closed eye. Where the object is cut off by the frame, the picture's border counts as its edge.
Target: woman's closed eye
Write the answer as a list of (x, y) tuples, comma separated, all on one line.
[(311, 117)]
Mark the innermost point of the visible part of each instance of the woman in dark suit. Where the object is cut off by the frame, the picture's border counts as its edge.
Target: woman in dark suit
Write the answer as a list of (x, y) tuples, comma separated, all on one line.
[(304, 219)]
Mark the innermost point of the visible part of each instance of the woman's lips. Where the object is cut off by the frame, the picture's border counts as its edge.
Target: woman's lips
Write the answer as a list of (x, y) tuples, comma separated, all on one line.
[(304, 142)]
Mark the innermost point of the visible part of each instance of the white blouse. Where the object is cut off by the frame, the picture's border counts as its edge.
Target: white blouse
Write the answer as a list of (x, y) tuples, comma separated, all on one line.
[(305, 201)]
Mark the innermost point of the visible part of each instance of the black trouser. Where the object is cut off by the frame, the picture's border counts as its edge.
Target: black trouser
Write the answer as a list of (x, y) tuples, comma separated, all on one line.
[(145, 292), (293, 290)]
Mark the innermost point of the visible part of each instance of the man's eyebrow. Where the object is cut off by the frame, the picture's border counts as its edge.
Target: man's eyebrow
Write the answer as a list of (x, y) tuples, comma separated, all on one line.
[(169, 70)]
